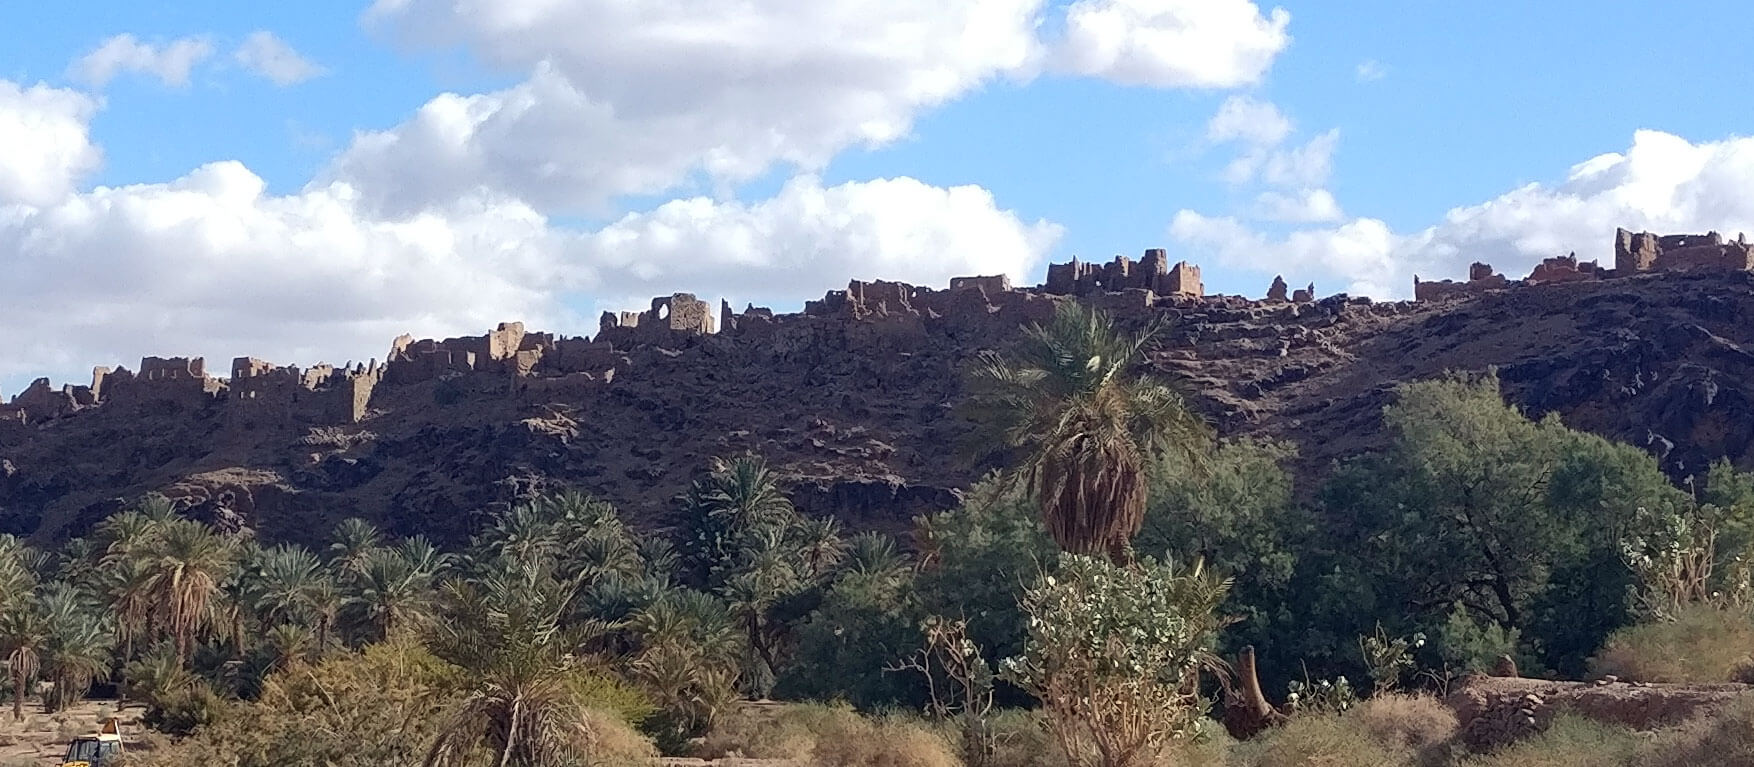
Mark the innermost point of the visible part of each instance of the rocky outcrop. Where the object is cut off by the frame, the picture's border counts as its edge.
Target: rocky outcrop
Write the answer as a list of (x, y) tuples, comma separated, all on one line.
[(1494, 712)]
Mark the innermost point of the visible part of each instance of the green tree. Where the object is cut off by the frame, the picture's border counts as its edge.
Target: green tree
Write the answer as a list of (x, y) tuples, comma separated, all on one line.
[(77, 647), (1086, 425), (505, 631), (24, 630), (1524, 517), (184, 565), (1114, 653)]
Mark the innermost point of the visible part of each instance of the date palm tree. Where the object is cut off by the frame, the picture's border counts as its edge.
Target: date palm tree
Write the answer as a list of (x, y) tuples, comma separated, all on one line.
[(1087, 426), (76, 647), (185, 564), (505, 630), (23, 631)]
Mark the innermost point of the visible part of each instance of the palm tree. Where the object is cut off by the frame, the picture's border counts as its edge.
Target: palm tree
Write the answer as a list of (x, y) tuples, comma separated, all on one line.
[(185, 564), (354, 539), (821, 544), (386, 593), (23, 631), (77, 646), (505, 631), (1087, 426), (283, 584), (739, 496)]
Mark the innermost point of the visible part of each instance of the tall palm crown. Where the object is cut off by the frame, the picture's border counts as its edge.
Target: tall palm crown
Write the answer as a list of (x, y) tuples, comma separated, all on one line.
[(506, 631), (185, 565), (1087, 426)]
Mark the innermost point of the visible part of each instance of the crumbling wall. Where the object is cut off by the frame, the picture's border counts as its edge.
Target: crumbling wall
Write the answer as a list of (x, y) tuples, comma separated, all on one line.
[(680, 313), (1565, 269), (1646, 252), (1153, 273), (991, 286), (1481, 278)]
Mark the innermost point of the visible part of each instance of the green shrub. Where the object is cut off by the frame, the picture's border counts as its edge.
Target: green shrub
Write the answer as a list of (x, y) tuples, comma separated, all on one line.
[(1321, 740), (1702, 644)]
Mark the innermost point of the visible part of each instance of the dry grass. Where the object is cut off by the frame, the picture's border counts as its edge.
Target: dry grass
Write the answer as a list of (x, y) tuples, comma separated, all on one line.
[(1417, 722), (1321, 740), (1727, 738), (827, 736), (1703, 645), (1570, 742), (614, 743)]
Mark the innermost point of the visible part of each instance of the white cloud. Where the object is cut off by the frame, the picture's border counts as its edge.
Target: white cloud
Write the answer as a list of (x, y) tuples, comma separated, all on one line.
[(1305, 166), (1172, 43), (47, 145), (1303, 206), (1662, 183), (1244, 118), (269, 56), (639, 98), (170, 63), (1370, 71), (632, 98), (212, 265), (810, 238)]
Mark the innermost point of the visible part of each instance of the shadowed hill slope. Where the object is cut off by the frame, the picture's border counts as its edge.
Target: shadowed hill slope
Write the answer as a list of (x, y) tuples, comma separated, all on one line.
[(852, 400)]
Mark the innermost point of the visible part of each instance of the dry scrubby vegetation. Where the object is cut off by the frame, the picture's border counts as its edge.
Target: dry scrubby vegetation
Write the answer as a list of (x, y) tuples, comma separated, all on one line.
[(1078, 609)]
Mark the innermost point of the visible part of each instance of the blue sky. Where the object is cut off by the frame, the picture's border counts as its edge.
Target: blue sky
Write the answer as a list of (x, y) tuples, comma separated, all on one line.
[(592, 156)]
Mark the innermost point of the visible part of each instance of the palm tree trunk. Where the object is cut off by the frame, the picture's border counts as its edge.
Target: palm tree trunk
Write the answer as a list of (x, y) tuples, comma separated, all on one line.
[(511, 732), (17, 690)]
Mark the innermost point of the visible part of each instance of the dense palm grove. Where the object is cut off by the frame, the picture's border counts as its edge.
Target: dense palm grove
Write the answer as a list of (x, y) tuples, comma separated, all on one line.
[(560, 636)]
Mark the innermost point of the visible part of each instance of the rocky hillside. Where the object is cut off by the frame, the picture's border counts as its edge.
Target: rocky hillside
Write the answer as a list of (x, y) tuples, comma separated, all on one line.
[(852, 399)]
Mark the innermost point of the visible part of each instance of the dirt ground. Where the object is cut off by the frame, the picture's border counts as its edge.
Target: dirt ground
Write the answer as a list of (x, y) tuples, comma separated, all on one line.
[(41, 739)]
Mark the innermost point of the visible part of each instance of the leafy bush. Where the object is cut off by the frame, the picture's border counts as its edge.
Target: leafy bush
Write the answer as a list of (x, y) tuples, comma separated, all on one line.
[(1113, 653), (379, 706), (1702, 644)]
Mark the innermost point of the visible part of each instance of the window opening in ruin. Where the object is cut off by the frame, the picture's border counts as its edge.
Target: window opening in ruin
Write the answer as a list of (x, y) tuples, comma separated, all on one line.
[(663, 312)]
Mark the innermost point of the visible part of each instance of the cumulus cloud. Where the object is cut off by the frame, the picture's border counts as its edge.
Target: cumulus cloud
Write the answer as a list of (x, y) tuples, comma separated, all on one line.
[(809, 238), (631, 98), (211, 264), (1370, 71), (639, 98), (1172, 43), (267, 55), (1306, 165), (1244, 118), (1304, 206), (1662, 183), (47, 145), (170, 63)]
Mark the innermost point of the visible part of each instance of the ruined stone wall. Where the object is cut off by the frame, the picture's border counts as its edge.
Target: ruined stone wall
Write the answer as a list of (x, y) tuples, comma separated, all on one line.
[(1153, 273), (1481, 278), (1646, 252), (1565, 269)]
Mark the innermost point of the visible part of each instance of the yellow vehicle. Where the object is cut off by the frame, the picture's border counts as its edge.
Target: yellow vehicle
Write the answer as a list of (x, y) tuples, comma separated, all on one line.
[(100, 750)]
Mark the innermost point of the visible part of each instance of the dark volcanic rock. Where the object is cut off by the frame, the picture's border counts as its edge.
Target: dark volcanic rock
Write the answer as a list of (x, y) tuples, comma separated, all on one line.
[(852, 402)]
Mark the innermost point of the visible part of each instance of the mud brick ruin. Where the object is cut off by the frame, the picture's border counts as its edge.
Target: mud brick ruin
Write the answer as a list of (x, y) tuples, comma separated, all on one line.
[(886, 313), (1633, 254)]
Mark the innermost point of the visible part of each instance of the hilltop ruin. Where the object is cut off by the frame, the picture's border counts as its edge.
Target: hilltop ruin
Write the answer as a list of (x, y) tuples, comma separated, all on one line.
[(327, 395), (1634, 254)]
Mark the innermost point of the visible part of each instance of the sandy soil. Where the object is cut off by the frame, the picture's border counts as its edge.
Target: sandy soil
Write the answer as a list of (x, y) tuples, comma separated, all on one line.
[(41, 739)]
